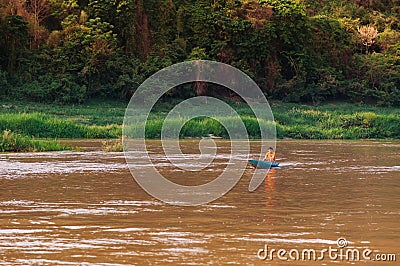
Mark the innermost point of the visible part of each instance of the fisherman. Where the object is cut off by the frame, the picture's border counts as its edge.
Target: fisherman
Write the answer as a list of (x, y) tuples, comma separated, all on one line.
[(270, 155)]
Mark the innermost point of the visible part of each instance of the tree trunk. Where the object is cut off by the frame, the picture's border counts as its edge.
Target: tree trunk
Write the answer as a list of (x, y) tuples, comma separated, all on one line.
[(143, 41), (200, 87)]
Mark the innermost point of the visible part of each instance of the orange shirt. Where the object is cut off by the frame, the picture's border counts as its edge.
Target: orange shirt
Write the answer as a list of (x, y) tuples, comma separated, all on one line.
[(270, 156)]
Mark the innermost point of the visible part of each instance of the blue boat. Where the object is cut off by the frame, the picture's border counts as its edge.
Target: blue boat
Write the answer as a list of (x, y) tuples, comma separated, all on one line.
[(263, 164)]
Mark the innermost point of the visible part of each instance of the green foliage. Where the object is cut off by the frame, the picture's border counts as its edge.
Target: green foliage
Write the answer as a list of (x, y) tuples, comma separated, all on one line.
[(290, 24), (300, 51), (102, 119), (297, 123), (380, 79), (93, 112), (389, 41), (197, 54), (340, 122), (46, 126), (4, 83), (13, 42), (60, 91), (12, 142), (84, 50), (203, 126), (343, 121)]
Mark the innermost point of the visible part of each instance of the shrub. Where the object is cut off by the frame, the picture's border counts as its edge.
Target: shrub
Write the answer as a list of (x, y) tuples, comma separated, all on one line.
[(4, 85), (380, 75), (10, 141)]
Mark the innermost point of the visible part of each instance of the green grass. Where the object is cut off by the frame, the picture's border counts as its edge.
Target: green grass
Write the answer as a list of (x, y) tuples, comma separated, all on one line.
[(103, 119), (202, 126), (48, 126), (338, 121), (94, 112), (12, 142)]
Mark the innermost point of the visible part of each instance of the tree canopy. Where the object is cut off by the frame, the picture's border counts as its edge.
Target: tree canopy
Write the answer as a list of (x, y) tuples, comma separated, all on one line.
[(296, 50)]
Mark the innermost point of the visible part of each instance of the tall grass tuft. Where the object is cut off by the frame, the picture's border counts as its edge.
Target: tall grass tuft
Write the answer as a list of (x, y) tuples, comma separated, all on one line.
[(12, 142), (113, 145)]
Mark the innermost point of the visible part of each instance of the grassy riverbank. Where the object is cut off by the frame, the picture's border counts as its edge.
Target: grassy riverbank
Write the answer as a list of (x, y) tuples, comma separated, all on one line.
[(10, 141), (43, 125), (103, 119)]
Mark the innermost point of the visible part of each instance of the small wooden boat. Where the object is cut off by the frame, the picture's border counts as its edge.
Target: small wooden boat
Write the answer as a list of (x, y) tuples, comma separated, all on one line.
[(211, 136), (263, 164)]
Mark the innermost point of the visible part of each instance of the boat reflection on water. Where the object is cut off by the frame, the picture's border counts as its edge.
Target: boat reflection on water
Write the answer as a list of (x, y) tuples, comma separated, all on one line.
[(270, 187)]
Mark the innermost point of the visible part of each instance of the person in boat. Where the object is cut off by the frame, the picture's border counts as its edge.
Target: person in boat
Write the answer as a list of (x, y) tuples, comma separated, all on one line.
[(270, 156)]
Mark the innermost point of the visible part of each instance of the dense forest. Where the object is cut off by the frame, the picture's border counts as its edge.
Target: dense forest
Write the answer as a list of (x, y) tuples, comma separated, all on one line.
[(296, 50)]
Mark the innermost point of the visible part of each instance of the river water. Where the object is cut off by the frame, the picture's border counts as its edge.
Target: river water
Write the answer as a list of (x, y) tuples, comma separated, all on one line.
[(74, 208)]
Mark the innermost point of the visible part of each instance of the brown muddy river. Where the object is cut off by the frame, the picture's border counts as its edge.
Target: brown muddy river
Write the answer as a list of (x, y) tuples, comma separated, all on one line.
[(74, 208)]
